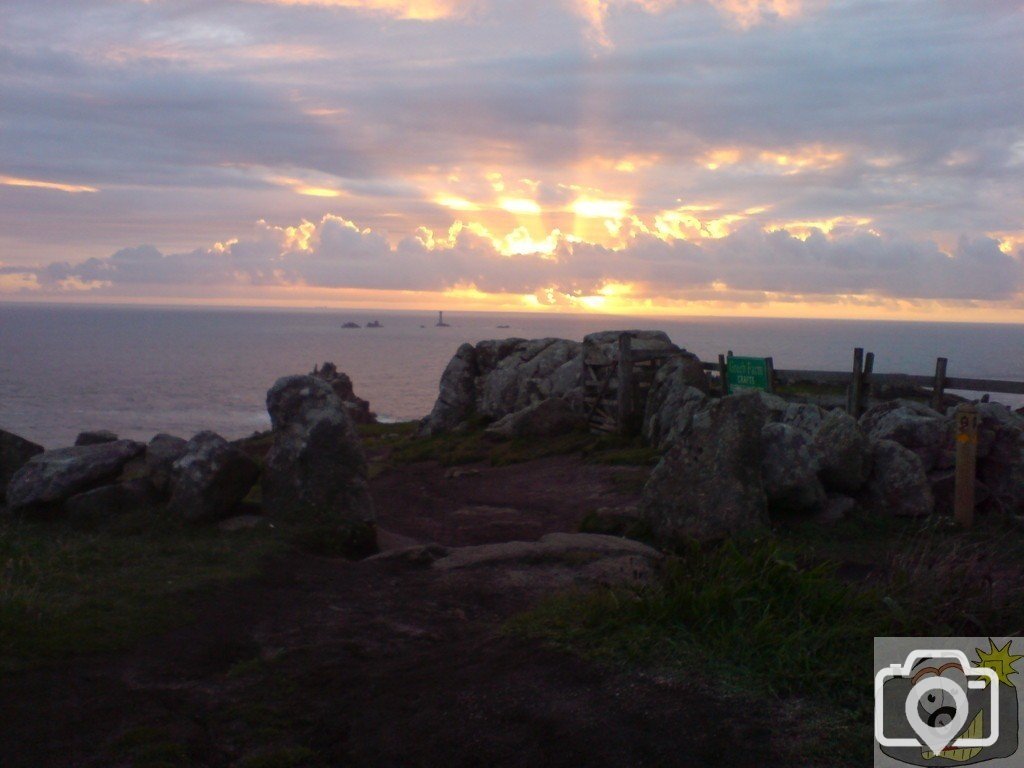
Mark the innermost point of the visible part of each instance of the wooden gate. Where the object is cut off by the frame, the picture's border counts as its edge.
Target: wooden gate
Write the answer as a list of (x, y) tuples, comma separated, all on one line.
[(615, 386)]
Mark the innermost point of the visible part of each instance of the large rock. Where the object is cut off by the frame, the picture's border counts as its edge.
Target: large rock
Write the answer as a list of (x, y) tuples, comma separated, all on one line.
[(709, 484), (50, 478), (911, 424), (316, 469), (898, 484), (844, 453), (548, 418), (95, 437), (679, 391), (806, 417), (15, 451), (357, 408), (107, 502), (210, 479), (790, 469), (161, 453), (456, 401), (527, 372)]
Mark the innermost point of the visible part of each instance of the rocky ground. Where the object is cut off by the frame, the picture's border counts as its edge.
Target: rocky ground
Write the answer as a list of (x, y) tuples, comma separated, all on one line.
[(402, 659)]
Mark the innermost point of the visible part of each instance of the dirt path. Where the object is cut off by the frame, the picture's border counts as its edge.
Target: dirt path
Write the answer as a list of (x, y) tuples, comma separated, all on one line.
[(384, 662)]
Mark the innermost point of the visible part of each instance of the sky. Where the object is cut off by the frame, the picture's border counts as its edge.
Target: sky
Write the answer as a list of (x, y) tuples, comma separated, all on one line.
[(807, 158)]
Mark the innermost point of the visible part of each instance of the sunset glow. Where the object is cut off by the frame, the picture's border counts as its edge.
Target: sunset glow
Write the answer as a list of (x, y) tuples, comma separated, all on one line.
[(622, 156)]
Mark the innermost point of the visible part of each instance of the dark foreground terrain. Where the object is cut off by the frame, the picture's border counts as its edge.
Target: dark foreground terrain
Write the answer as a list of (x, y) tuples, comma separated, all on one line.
[(274, 656)]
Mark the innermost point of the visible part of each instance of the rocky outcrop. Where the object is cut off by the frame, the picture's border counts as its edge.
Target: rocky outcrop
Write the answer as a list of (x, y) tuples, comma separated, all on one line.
[(357, 408), (316, 469), (844, 453), (548, 418), (15, 452), (678, 391), (709, 485), (523, 373), (898, 484), (95, 437), (161, 453), (49, 479), (789, 469), (501, 376), (210, 479)]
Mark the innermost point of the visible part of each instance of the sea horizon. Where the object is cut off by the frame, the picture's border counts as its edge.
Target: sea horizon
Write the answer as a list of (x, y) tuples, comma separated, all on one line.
[(140, 370)]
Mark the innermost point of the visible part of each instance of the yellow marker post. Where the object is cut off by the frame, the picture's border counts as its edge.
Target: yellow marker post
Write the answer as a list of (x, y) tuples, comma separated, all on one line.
[(966, 459)]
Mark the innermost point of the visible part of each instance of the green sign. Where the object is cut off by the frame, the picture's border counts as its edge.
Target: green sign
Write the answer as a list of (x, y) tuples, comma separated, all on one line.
[(748, 373)]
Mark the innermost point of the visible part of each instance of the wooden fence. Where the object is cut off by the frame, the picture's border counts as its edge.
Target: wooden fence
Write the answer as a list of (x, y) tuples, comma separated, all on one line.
[(861, 377), (616, 386)]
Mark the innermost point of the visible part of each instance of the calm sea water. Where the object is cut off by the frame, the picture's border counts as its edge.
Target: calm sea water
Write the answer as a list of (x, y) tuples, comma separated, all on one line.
[(139, 371)]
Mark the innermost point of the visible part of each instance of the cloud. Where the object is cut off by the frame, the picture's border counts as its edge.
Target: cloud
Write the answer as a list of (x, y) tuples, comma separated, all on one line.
[(419, 10), (749, 265), (704, 119), (12, 181)]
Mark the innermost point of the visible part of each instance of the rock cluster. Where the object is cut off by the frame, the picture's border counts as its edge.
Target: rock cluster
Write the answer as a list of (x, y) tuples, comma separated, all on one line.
[(733, 461), (315, 469)]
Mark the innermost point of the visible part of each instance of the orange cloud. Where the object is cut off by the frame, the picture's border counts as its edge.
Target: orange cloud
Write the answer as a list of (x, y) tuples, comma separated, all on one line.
[(418, 10), (14, 181), (744, 13)]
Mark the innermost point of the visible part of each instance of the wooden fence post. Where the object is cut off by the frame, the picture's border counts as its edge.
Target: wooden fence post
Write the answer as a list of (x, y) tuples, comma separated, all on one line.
[(865, 383), (723, 374), (939, 389), (966, 459), (856, 383), (625, 384), (770, 364)]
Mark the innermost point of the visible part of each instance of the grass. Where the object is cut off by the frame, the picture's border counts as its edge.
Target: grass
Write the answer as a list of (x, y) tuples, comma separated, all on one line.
[(475, 445), (770, 618), (65, 592)]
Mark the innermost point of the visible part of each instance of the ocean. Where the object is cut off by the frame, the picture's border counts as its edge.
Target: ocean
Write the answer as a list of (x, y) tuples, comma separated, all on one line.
[(139, 371)]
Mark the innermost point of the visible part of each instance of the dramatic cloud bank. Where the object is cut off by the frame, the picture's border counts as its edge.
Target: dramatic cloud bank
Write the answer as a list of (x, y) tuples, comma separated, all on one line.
[(597, 154), (749, 265)]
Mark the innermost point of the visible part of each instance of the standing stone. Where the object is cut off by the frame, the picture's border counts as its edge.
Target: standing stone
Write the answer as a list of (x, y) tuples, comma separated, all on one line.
[(316, 470), (15, 451), (95, 437), (898, 485), (790, 469), (844, 452), (709, 485), (210, 479), (50, 478)]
